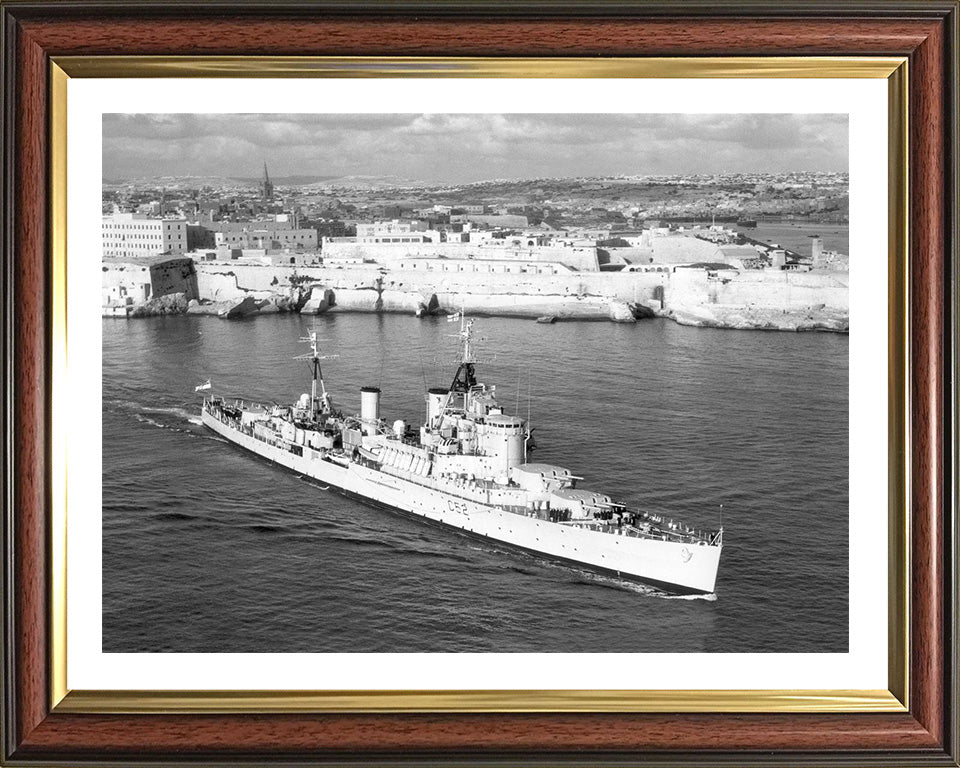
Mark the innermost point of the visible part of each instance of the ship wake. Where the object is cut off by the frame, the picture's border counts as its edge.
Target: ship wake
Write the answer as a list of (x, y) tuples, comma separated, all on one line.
[(640, 589), (182, 416)]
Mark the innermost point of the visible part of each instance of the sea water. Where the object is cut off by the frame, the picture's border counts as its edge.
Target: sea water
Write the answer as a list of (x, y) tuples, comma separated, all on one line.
[(209, 548)]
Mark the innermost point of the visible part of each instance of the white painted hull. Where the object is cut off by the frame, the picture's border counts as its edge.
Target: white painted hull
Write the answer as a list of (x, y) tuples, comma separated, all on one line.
[(675, 566)]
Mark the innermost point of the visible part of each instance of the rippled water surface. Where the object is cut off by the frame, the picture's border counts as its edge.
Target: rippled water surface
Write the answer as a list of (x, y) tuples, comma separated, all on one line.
[(209, 548)]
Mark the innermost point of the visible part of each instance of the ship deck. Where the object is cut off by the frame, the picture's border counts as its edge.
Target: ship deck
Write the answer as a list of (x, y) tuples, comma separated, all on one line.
[(655, 527)]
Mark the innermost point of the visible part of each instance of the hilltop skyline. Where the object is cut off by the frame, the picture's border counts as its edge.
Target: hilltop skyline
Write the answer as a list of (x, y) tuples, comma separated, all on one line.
[(467, 148)]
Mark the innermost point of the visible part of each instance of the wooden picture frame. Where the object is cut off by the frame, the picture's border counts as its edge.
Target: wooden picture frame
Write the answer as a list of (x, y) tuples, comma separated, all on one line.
[(43, 725)]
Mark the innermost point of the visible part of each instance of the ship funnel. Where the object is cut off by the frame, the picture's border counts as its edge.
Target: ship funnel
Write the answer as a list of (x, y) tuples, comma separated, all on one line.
[(436, 399), (369, 409)]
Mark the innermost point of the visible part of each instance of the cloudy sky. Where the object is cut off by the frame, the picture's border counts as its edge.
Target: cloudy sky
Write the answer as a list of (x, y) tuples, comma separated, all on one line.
[(457, 148)]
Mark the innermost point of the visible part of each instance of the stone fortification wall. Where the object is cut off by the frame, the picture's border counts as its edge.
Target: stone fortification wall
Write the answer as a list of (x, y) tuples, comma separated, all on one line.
[(229, 280), (152, 277), (728, 298), (775, 289), (767, 299), (669, 250), (679, 249), (672, 249), (618, 255), (130, 275), (578, 257), (174, 276), (657, 290)]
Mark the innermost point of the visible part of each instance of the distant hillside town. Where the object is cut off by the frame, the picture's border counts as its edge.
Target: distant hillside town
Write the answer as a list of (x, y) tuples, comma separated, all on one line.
[(333, 236)]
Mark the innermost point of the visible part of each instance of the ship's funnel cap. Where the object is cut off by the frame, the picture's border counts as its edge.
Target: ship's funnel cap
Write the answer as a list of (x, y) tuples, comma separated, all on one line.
[(369, 389), (438, 390)]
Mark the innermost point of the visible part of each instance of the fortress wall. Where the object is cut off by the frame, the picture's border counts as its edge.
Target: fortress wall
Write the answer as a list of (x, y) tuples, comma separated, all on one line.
[(768, 288), (624, 255), (174, 276), (682, 250), (524, 294), (164, 277), (124, 275), (245, 278), (521, 305)]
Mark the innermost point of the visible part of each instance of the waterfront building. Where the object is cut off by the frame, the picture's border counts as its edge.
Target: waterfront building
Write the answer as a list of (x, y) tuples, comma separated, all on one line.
[(118, 300), (405, 237), (269, 236), (581, 258), (199, 236), (379, 229), (273, 257), (485, 266), (128, 235), (507, 221)]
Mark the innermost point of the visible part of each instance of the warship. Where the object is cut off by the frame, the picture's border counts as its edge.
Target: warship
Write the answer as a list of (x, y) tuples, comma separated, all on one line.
[(466, 468)]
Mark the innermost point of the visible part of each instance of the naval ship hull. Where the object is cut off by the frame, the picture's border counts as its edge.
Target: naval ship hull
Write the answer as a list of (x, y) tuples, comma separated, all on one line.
[(675, 567)]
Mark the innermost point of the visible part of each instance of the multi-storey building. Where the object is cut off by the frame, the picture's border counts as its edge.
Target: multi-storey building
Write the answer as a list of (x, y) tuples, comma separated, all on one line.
[(268, 237), (126, 235), (388, 228)]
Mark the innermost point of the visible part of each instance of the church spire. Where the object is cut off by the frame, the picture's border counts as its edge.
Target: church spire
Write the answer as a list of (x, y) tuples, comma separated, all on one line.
[(266, 186)]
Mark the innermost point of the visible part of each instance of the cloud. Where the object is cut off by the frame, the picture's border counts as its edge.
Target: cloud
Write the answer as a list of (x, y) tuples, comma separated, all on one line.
[(469, 147)]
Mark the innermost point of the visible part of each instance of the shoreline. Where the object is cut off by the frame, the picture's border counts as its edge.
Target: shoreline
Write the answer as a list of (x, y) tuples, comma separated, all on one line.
[(695, 295), (725, 318)]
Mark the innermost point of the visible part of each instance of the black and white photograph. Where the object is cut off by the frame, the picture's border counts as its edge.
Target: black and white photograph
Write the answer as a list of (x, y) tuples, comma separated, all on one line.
[(486, 383)]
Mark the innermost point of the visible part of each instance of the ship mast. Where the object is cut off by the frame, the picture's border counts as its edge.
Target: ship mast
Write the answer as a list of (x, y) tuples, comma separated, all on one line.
[(465, 377), (315, 357)]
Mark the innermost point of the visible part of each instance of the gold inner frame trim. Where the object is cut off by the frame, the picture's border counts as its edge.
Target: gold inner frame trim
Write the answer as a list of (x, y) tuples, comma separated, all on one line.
[(898, 384), (893, 69), (233, 702), (58, 390), (430, 66)]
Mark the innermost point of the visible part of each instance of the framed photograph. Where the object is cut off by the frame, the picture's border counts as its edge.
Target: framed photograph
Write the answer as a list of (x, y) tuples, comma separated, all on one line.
[(396, 385)]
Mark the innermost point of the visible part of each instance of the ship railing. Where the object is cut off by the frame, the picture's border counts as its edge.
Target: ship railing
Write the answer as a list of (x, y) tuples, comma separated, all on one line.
[(682, 534), (648, 532), (609, 527), (663, 525)]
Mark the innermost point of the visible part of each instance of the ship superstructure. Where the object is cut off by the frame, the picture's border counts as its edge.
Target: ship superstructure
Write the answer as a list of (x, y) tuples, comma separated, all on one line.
[(466, 467)]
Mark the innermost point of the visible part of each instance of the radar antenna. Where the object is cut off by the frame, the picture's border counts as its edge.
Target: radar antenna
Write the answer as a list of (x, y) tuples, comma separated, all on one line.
[(323, 404), (465, 377)]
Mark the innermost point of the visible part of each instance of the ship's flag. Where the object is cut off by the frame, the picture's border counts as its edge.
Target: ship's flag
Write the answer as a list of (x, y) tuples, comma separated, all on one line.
[(202, 387), (453, 318)]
